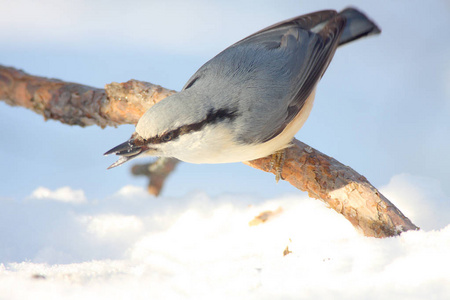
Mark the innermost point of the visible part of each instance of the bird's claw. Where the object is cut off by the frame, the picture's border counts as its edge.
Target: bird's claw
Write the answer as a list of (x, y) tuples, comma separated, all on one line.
[(277, 163)]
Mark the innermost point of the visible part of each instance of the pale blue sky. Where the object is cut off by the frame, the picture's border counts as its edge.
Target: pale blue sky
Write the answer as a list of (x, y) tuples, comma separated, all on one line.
[(383, 106)]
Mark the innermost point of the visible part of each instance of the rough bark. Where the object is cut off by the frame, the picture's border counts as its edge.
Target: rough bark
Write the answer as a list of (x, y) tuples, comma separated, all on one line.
[(323, 177), (77, 104), (341, 188)]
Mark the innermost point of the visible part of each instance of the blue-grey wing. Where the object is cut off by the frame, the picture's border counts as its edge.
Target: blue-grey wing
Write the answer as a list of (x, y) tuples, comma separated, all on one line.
[(271, 72)]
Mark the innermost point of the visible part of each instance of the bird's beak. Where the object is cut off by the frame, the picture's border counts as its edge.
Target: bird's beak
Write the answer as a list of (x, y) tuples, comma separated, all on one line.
[(128, 150)]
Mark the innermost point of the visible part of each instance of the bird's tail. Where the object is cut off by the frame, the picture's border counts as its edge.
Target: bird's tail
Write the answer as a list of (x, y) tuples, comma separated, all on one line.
[(358, 25)]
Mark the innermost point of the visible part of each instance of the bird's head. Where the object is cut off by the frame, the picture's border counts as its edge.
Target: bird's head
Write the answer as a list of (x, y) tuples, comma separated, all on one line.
[(171, 128)]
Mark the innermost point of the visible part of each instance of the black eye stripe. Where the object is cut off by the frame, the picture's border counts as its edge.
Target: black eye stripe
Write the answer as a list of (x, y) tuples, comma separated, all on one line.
[(211, 118), (167, 137)]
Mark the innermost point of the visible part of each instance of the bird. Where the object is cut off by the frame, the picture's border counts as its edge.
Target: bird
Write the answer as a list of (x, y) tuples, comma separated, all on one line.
[(250, 100)]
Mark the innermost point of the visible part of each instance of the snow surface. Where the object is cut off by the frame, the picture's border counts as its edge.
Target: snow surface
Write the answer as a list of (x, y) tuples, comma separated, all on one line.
[(131, 246)]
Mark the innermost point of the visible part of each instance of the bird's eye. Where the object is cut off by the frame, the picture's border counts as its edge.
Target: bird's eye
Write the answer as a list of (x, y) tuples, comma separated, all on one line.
[(167, 137)]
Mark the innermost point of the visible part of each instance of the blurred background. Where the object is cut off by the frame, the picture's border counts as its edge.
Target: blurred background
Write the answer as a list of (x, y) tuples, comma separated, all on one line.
[(382, 108)]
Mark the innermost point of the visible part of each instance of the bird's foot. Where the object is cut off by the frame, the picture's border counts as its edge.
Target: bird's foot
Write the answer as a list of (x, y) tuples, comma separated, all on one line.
[(277, 163)]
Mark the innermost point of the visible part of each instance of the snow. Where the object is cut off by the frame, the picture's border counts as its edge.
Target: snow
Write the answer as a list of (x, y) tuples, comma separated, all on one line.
[(111, 225), (132, 246)]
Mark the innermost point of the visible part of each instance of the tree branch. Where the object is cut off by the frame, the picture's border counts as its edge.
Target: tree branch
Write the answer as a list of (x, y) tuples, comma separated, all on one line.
[(323, 177), (341, 188), (76, 104)]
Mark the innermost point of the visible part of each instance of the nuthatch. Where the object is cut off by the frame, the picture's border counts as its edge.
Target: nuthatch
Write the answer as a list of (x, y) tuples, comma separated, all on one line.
[(251, 99)]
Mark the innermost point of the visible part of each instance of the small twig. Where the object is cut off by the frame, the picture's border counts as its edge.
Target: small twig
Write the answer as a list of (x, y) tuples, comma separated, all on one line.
[(157, 172)]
